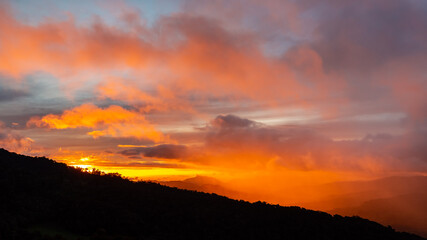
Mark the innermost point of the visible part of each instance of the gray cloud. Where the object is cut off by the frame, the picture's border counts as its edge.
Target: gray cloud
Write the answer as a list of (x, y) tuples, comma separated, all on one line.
[(232, 121), (363, 34), (167, 151), (7, 95)]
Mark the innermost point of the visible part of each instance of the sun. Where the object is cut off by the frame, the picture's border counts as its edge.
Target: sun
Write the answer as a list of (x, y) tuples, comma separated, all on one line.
[(84, 159)]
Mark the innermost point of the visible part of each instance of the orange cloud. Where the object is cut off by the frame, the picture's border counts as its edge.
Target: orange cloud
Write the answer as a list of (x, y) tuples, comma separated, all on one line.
[(196, 55), (64, 49), (236, 143), (162, 99), (112, 121), (217, 62), (206, 60)]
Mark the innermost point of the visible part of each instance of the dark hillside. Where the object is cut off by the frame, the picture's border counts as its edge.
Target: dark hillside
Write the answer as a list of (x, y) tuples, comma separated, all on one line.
[(43, 199)]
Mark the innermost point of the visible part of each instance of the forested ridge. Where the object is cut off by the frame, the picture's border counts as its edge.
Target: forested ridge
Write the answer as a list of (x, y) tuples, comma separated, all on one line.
[(43, 199)]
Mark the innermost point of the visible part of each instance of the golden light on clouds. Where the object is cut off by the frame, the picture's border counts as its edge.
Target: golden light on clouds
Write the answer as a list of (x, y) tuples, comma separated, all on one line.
[(112, 121)]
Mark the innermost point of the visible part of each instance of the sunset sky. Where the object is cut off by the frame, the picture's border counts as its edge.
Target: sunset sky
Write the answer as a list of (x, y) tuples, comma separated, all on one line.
[(262, 95)]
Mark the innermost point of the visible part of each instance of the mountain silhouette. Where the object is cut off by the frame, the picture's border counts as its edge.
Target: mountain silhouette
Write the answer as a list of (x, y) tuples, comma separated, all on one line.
[(398, 201), (43, 199)]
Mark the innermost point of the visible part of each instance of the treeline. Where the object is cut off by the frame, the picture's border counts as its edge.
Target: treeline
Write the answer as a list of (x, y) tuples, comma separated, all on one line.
[(43, 199)]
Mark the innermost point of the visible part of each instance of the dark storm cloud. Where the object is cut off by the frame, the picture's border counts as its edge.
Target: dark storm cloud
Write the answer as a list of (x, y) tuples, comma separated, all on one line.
[(231, 121), (10, 94), (229, 130), (167, 151)]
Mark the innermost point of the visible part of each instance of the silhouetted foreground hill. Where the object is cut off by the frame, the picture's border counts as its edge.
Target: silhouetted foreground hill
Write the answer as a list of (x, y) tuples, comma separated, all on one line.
[(42, 199)]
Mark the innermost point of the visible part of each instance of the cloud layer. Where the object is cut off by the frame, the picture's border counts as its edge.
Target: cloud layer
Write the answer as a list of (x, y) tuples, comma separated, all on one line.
[(301, 85), (231, 140)]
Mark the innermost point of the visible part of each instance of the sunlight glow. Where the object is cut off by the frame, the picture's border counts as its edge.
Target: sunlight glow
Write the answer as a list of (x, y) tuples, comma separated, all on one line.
[(84, 159), (82, 166)]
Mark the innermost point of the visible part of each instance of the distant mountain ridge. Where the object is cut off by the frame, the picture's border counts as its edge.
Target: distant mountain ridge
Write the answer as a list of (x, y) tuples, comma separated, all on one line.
[(205, 184), (407, 211), (399, 201), (43, 199)]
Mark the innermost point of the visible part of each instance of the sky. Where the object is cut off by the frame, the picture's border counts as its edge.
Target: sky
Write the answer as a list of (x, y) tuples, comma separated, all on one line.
[(262, 95)]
